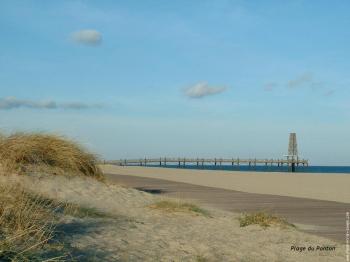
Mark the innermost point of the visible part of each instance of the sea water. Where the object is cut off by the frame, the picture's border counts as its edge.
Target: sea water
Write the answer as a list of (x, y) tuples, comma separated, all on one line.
[(263, 168)]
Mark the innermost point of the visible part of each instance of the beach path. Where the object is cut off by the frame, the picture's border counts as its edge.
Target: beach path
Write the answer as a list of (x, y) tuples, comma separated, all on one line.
[(319, 217)]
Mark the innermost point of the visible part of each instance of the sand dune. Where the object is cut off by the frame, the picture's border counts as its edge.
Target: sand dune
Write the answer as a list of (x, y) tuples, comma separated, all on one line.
[(134, 232), (332, 187)]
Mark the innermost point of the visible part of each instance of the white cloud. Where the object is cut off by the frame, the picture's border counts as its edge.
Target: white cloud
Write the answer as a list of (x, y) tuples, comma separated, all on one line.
[(202, 89), (8, 103), (306, 78), (87, 37)]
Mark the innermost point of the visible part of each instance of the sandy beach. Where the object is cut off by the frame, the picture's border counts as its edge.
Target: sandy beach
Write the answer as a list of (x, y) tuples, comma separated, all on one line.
[(331, 187), (132, 231), (319, 217), (71, 210)]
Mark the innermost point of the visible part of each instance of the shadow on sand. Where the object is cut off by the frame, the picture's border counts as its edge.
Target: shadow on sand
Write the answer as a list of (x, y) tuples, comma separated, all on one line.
[(152, 190), (68, 234)]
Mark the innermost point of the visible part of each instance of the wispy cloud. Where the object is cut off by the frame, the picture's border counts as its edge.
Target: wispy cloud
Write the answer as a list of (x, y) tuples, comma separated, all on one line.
[(270, 86), (304, 79), (202, 89), (8, 103), (317, 84), (87, 36), (329, 92)]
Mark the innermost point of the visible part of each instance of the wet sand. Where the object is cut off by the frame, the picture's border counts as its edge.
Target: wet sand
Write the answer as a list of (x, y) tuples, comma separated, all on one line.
[(330, 187)]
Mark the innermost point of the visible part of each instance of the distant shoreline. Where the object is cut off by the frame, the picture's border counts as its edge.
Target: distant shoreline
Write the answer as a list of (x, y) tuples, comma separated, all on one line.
[(331, 187)]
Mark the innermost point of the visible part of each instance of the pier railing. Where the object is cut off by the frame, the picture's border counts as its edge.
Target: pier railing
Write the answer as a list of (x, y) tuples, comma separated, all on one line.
[(214, 161)]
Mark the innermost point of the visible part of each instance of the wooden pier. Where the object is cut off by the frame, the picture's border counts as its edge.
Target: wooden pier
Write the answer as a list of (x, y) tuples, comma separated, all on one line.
[(213, 161)]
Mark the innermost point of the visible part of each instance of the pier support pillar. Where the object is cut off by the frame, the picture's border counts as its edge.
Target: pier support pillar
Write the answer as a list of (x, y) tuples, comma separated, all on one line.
[(293, 167)]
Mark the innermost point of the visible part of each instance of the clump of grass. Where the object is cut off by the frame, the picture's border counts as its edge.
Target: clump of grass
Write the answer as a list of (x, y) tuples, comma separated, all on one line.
[(23, 152), (27, 224), (82, 212), (178, 206), (200, 258), (263, 219)]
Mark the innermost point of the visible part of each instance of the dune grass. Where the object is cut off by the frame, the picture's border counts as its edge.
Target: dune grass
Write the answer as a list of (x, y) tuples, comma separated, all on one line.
[(178, 206), (26, 224), (27, 152), (27, 221), (263, 219)]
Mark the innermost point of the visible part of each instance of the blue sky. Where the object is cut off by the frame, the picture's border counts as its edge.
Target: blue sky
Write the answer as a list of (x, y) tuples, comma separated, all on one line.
[(180, 78)]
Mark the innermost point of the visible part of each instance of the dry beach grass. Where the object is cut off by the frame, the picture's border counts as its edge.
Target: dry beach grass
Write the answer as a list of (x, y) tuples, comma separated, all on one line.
[(50, 217), (23, 152), (26, 223), (263, 219), (177, 205), (27, 219)]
